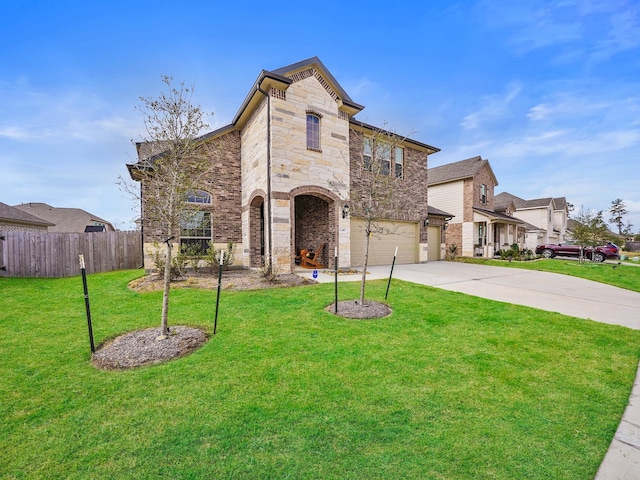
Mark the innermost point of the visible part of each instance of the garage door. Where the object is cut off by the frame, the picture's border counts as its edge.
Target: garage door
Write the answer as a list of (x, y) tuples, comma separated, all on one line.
[(382, 247), (433, 241)]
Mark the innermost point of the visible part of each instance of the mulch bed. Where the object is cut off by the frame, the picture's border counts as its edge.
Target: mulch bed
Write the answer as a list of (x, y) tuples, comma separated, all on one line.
[(142, 347), (354, 309)]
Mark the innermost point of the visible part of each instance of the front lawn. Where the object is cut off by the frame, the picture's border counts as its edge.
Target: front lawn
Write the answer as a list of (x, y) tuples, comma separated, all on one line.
[(448, 387), (623, 275)]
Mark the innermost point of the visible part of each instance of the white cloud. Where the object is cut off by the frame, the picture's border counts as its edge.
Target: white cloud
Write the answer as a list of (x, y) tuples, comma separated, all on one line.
[(623, 35), (14, 133), (492, 107)]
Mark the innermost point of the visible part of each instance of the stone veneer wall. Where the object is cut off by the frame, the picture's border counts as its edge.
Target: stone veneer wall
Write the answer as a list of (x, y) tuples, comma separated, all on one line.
[(293, 165), (253, 160)]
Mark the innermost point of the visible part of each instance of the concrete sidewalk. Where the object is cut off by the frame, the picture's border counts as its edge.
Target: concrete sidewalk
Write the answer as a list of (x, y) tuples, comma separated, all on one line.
[(547, 291)]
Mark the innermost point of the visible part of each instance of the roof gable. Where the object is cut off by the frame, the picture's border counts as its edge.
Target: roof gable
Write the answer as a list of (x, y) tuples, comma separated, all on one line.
[(461, 170), (522, 204)]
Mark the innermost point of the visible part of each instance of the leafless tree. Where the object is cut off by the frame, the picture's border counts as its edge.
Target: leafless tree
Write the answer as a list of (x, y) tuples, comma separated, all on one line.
[(374, 186), (173, 166)]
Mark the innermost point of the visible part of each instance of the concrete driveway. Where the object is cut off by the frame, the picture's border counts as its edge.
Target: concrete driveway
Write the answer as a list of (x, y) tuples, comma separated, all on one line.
[(547, 291)]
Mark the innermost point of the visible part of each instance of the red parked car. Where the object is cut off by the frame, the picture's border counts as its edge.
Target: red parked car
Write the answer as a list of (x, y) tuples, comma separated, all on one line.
[(570, 249)]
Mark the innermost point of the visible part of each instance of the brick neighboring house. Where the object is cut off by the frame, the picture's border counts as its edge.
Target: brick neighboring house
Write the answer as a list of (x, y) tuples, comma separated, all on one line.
[(466, 190), (545, 219), (286, 173), (14, 219), (66, 220)]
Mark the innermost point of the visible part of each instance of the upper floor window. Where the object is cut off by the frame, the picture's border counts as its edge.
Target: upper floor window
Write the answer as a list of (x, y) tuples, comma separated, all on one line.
[(483, 193), (376, 156), (313, 131), (399, 162), (367, 154), (198, 196)]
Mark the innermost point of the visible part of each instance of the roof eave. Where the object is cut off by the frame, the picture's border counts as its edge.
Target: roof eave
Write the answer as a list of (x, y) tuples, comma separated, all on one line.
[(362, 126)]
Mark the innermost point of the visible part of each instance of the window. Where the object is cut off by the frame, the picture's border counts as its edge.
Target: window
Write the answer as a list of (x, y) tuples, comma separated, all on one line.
[(384, 153), (368, 153), (313, 131), (195, 230), (483, 193), (482, 234), (399, 162), (198, 196), (377, 155)]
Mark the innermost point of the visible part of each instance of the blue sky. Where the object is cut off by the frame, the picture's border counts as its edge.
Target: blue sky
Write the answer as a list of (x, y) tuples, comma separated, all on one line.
[(547, 91)]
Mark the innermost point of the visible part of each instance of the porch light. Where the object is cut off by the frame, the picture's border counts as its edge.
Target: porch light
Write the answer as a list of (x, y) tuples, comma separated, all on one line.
[(446, 224), (345, 210), (426, 222)]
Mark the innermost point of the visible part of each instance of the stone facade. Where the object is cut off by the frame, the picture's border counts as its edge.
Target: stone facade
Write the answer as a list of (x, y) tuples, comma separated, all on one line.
[(273, 194)]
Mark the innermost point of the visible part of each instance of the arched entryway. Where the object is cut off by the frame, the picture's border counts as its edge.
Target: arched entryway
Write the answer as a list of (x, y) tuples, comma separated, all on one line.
[(315, 214), (257, 232)]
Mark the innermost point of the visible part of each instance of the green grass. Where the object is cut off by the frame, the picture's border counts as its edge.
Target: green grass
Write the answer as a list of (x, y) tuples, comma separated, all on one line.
[(623, 276), (448, 387)]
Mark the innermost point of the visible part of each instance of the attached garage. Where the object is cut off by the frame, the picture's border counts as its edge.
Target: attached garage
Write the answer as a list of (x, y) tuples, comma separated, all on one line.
[(382, 247)]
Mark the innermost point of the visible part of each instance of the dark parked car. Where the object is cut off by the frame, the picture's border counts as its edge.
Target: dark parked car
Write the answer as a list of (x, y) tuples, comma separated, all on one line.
[(570, 249)]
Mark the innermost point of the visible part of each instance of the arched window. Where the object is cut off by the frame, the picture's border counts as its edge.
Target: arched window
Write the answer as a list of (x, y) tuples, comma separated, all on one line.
[(313, 131), (198, 196)]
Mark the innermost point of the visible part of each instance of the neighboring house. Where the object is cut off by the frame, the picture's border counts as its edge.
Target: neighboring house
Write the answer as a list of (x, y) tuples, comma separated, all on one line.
[(545, 218), (66, 220), (14, 219), (465, 189), (286, 171)]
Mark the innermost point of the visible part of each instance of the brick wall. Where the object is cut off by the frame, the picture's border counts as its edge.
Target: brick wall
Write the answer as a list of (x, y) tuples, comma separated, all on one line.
[(410, 192), (223, 183), (453, 235)]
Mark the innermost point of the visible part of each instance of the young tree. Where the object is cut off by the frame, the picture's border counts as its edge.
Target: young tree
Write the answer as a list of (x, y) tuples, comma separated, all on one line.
[(374, 195), (173, 169), (590, 229), (617, 210)]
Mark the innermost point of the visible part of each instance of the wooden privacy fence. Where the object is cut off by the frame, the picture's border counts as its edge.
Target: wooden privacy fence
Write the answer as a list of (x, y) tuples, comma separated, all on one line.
[(46, 254)]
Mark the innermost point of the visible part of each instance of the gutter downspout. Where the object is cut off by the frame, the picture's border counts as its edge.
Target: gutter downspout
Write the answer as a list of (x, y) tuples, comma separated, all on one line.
[(270, 222)]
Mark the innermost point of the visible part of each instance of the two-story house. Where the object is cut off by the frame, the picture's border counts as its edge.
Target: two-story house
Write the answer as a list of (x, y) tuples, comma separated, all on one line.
[(545, 218), (287, 173), (465, 189)]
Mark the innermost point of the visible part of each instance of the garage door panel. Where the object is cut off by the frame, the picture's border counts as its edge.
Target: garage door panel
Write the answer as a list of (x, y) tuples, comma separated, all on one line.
[(403, 235)]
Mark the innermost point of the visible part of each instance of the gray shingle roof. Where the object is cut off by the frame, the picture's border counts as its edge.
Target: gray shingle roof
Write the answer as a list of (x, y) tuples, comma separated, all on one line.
[(11, 214), (457, 171), (503, 199), (437, 212), (497, 215), (64, 219)]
